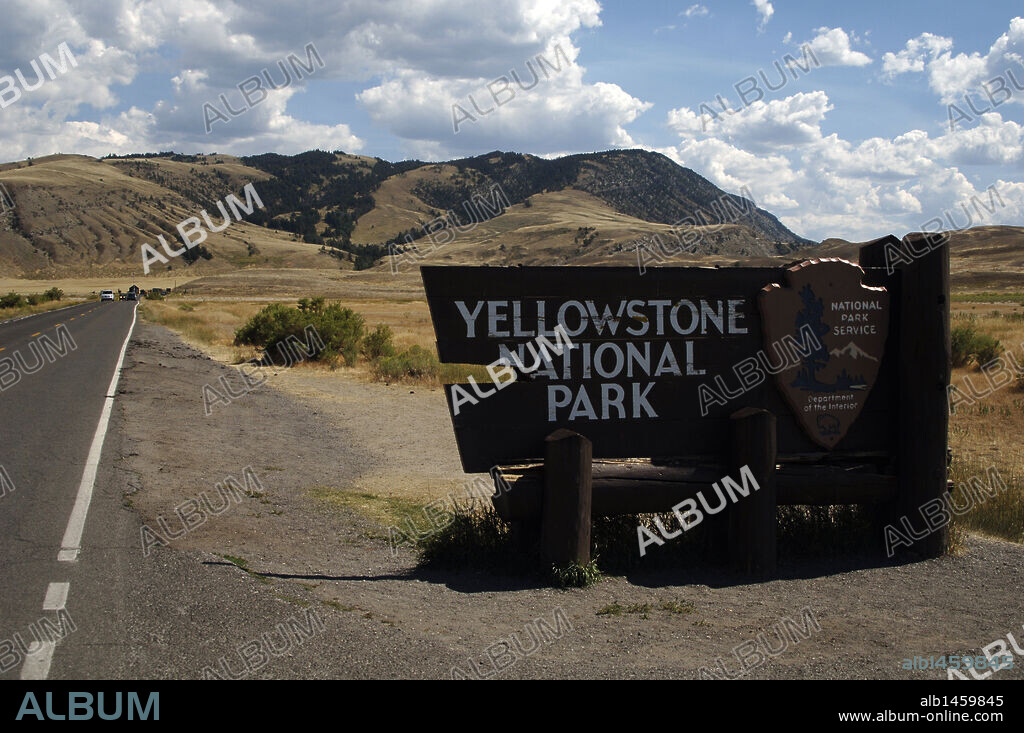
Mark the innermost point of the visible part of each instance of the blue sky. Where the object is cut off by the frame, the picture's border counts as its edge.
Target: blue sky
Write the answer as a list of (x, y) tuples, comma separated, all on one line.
[(856, 144)]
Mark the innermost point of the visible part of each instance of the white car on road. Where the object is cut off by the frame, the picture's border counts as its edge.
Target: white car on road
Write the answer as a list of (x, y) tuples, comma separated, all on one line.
[(106, 295)]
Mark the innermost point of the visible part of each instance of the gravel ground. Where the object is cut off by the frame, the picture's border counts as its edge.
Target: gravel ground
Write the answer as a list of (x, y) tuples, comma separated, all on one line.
[(308, 434)]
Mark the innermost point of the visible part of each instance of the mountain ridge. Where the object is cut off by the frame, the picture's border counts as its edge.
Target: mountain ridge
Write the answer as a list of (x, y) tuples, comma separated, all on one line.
[(71, 213)]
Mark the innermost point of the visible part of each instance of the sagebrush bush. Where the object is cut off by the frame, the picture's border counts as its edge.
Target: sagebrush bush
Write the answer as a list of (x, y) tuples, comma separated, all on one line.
[(340, 330), (12, 300), (413, 363), (378, 344), (969, 345)]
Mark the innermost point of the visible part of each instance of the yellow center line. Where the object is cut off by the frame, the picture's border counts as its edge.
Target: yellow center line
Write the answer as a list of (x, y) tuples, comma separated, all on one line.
[(36, 334), (2, 348)]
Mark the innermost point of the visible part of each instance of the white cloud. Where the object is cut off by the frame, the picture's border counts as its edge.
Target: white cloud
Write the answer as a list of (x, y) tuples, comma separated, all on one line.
[(992, 142), (765, 10), (732, 168), (915, 54), (401, 48), (695, 11), (822, 185), (537, 109), (775, 125), (832, 48), (952, 76)]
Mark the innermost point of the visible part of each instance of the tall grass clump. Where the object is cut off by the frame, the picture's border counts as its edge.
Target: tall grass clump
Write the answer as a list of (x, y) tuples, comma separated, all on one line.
[(472, 539), (191, 325), (414, 364), (971, 346), (995, 497)]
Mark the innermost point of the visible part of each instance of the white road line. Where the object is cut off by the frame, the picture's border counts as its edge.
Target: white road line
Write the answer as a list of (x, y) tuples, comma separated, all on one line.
[(37, 661), (56, 596), (71, 545)]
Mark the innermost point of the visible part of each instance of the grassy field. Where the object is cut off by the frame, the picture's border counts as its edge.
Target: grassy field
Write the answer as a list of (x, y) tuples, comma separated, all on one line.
[(215, 322), (987, 432), (1015, 298), (85, 286), (211, 326), (8, 314)]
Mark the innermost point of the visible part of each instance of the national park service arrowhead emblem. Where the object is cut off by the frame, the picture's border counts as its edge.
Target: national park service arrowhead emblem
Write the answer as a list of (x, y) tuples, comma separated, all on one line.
[(834, 329)]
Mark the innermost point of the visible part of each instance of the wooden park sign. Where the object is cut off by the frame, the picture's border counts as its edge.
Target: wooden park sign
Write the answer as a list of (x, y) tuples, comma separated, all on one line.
[(695, 366)]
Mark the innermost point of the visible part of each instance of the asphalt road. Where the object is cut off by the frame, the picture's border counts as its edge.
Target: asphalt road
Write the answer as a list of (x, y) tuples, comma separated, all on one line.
[(96, 606), (55, 370)]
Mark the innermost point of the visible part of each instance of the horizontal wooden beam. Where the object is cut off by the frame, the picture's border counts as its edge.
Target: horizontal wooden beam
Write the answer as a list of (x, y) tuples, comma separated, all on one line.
[(645, 489)]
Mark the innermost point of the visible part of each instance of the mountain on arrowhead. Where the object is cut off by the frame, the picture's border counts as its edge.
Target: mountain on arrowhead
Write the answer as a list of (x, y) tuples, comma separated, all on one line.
[(852, 350)]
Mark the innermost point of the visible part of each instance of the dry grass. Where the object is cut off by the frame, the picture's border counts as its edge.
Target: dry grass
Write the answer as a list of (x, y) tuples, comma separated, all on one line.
[(988, 432), (203, 325), (86, 286), (7, 314), (211, 325), (409, 320), (1001, 515)]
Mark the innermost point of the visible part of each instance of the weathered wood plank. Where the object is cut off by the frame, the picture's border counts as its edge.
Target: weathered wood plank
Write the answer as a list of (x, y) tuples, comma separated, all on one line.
[(648, 490)]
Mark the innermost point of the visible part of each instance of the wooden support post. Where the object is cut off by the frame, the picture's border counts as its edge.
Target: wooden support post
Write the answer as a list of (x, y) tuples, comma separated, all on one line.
[(753, 518), (922, 339), (924, 371), (887, 253), (565, 521)]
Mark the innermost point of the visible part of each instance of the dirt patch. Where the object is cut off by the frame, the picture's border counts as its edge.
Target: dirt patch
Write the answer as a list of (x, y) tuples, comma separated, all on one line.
[(332, 452)]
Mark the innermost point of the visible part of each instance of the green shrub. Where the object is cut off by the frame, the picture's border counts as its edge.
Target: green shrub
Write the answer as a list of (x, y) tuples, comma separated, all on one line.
[(413, 363), (575, 575), (270, 325), (312, 305), (378, 344), (971, 345), (12, 300), (33, 299), (340, 330), (54, 294)]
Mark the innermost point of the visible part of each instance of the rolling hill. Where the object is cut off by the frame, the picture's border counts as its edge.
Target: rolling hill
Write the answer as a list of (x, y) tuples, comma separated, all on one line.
[(71, 215), (983, 257), (75, 216)]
